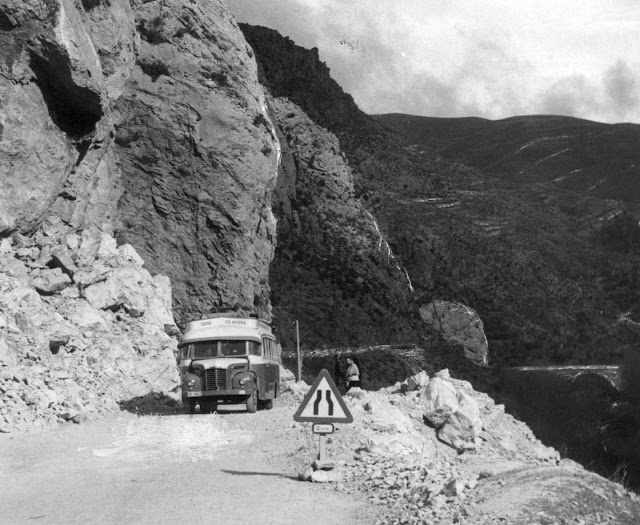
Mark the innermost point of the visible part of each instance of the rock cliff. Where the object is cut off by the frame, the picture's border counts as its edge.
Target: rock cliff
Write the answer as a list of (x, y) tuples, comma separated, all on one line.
[(333, 269), (145, 120)]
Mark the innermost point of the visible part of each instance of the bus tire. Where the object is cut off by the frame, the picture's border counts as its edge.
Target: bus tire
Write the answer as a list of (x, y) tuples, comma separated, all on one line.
[(252, 403), (189, 407), (267, 404)]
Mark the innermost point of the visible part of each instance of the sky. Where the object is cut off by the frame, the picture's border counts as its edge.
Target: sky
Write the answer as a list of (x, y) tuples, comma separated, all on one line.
[(459, 58)]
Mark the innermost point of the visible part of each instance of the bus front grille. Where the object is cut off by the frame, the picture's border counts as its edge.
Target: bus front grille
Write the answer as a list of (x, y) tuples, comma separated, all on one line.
[(215, 379)]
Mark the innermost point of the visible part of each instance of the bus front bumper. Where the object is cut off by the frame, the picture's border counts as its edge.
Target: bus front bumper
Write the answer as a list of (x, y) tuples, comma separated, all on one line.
[(219, 393)]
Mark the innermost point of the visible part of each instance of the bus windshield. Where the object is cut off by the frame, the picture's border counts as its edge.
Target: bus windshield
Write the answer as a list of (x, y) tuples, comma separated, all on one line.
[(223, 348)]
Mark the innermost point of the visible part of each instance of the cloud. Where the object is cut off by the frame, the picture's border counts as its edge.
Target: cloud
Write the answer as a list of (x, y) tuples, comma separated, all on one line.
[(621, 88), (462, 58), (570, 96), (612, 97), (289, 17)]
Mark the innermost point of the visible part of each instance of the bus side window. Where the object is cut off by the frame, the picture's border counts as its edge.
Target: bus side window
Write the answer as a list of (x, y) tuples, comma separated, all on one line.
[(184, 352)]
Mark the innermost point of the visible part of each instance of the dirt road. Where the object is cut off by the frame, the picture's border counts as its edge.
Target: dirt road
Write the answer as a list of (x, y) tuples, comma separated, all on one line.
[(231, 467)]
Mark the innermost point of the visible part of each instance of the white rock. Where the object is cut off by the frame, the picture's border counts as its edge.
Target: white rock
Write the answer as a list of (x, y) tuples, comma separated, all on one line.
[(439, 400), (99, 296), (8, 355), (129, 253), (469, 407), (89, 246), (443, 374), (415, 382), (286, 375), (5, 245), (51, 281), (72, 241), (87, 318), (326, 476), (458, 432), (388, 418), (108, 246)]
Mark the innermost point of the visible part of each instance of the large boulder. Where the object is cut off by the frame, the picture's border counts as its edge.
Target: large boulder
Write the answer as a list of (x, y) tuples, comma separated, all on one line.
[(453, 411), (462, 428), (458, 324), (440, 401)]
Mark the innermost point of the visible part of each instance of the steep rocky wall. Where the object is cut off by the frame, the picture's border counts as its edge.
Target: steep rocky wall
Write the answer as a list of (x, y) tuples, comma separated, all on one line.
[(199, 159), (146, 120), (333, 269)]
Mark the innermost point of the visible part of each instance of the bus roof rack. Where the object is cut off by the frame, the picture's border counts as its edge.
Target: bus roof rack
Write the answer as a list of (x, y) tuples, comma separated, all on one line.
[(232, 314)]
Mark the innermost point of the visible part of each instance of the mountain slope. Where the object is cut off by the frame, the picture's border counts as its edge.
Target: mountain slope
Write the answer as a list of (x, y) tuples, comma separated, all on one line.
[(594, 159), (523, 252), (333, 270)]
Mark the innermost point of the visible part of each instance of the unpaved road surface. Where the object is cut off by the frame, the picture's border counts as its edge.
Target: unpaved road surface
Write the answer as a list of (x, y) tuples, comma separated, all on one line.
[(231, 467)]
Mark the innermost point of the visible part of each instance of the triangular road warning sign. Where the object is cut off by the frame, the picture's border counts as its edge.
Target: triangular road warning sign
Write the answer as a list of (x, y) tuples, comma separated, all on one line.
[(323, 403)]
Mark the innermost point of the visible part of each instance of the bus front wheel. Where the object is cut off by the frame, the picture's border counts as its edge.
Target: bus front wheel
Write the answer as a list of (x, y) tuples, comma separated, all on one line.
[(189, 407), (252, 403), (267, 404)]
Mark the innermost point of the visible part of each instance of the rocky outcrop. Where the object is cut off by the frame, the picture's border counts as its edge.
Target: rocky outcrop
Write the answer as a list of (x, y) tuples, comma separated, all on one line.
[(459, 324), (200, 157), (84, 329), (453, 411), (334, 269), (146, 120)]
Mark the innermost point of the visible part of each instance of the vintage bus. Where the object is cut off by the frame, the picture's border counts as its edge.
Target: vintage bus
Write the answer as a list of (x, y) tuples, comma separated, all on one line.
[(228, 360)]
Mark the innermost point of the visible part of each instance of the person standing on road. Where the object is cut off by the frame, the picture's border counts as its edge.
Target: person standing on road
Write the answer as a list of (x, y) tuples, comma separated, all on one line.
[(353, 374)]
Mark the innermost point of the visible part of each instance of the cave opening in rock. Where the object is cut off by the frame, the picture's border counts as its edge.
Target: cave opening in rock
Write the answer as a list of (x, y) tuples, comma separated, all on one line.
[(74, 109)]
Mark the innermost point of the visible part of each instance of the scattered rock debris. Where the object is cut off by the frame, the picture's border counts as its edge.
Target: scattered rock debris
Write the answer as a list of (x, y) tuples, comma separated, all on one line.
[(84, 329), (403, 464)]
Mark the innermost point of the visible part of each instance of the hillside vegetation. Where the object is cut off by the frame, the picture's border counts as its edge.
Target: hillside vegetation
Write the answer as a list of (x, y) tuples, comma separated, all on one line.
[(480, 213)]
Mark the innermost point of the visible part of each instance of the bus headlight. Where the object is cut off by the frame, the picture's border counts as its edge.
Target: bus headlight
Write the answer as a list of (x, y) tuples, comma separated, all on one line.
[(191, 382), (243, 380)]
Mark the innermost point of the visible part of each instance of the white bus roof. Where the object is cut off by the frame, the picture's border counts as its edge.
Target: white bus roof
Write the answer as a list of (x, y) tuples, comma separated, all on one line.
[(226, 328)]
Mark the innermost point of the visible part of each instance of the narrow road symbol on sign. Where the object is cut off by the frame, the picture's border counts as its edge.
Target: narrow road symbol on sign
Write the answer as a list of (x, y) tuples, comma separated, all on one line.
[(323, 403)]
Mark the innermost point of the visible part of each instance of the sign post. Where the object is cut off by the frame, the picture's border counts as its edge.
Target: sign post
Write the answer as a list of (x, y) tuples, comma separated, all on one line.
[(299, 378), (323, 406)]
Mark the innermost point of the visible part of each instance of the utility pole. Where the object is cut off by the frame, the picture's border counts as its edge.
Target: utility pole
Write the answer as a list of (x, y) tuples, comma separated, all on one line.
[(298, 351)]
